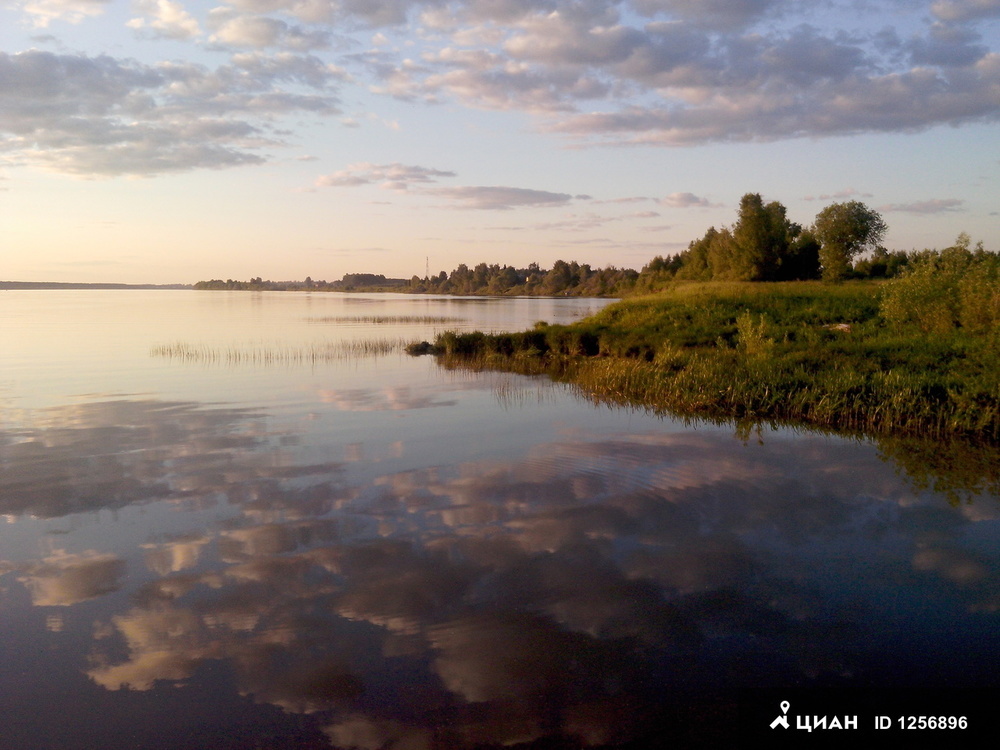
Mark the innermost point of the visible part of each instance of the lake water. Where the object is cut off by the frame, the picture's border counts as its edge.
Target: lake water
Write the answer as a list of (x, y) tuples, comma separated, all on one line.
[(227, 524)]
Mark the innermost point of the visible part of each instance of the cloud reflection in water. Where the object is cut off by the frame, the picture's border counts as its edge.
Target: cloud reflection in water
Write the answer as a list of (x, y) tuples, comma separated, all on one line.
[(580, 592)]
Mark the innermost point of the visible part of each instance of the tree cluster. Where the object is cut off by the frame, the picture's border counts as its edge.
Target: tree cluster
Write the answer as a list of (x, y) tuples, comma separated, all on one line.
[(764, 245), (563, 279), (351, 282)]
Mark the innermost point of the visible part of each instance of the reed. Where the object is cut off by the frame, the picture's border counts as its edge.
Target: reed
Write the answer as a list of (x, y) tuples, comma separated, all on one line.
[(386, 319), (265, 354)]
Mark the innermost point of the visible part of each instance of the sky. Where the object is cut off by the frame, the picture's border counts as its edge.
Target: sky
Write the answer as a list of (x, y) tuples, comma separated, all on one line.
[(169, 141)]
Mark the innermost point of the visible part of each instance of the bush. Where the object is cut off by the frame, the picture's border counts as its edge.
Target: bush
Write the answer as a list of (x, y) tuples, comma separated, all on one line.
[(943, 291)]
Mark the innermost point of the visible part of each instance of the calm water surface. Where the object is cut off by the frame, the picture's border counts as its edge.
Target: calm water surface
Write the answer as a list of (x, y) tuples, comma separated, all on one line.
[(228, 525)]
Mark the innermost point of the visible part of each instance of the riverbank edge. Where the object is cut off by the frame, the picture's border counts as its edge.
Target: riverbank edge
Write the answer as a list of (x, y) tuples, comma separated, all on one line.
[(800, 353)]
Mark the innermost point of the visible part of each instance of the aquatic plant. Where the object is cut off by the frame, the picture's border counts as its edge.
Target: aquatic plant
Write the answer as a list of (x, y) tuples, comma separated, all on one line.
[(385, 319), (261, 354)]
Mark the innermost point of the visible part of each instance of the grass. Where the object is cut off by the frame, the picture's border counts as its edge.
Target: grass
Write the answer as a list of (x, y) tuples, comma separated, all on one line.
[(793, 353), (261, 354)]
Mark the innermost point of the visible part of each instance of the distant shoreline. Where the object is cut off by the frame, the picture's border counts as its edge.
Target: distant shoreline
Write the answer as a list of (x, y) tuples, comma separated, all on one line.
[(12, 285)]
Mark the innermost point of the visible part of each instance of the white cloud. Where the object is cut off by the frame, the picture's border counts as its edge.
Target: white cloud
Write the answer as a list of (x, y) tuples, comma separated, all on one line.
[(647, 72), (557, 39), (103, 116), (43, 12), (693, 74), (310, 11), (262, 31), (165, 18), (685, 200), (965, 10)]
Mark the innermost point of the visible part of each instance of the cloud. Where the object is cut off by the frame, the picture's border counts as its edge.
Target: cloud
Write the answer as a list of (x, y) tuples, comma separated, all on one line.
[(693, 73), (43, 12), (393, 176), (934, 206), (400, 398), (557, 39), (629, 199), (370, 13), (947, 46), (175, 556), (643, 72), (64, 579), (965, 10), (685, 200), (100, 116), (167, 19), (719, 14), (911, 100), (261, 31), (402, 177), (488, 80), (150, 449), (312, 11), (502, 198)]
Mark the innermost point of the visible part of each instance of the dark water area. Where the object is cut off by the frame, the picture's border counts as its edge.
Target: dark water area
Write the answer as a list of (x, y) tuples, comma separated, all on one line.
[(368, 551)]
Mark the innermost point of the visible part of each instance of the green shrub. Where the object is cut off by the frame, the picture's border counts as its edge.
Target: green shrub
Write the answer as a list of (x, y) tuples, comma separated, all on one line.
[(798, 352), (943, 291)]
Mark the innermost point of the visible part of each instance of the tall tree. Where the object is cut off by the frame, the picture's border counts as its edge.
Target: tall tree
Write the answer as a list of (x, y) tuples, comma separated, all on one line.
[(802, 258), (694, 261), (753, 239), (845, 230), (760, 241)]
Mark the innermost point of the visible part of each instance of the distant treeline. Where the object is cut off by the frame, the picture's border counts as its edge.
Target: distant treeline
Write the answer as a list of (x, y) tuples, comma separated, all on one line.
[(763, 245), (563, 279), (351, 282), (79, 285)]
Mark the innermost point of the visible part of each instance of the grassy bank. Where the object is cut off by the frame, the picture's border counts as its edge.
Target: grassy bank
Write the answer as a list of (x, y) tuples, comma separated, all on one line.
[(833, 356)]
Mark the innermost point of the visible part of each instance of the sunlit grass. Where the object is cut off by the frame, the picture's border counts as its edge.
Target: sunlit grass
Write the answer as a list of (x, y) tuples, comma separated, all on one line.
[(791, 353), (263, 354)]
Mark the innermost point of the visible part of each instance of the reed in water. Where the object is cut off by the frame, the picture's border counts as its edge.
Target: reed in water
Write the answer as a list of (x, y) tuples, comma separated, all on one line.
[(260, 353)]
